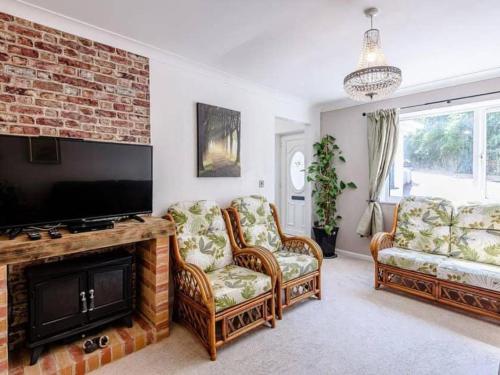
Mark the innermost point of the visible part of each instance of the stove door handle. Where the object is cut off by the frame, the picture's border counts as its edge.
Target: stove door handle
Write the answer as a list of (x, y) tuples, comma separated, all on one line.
[(91, 298), (84, 302)]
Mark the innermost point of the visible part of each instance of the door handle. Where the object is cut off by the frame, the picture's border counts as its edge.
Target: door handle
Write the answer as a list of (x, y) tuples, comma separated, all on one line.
[(91, 298), (84, 302)]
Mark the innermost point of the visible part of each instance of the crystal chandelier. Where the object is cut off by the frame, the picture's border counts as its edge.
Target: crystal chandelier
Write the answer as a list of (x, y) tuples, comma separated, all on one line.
[(373, 79)]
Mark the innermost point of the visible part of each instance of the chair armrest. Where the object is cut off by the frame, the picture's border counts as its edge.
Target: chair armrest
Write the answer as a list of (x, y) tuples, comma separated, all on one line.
[(191, 281), (303, 245), (381, 240), (258, 260)]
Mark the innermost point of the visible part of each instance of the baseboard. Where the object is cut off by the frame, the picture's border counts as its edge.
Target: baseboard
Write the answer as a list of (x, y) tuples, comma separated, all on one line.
[(352, 254)]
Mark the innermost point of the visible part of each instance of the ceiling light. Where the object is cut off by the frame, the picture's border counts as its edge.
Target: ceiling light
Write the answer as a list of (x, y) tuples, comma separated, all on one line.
[(374, 79)]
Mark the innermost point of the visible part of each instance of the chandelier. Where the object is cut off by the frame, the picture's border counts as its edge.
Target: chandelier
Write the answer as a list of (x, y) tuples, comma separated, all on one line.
[(373, 79)]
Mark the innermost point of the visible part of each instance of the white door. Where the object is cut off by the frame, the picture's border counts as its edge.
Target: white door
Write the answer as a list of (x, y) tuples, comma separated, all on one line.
[(292, 184)]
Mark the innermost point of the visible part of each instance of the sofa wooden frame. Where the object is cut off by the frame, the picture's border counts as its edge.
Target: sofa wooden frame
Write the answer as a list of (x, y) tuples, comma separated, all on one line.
[(194, 304), (291, 291), (471, 299)]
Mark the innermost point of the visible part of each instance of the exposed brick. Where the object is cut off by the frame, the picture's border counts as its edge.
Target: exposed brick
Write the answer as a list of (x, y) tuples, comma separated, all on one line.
[(104, 47), (50, 86), (140, 87), (28, 130), (103, 113), (74, 133), (23, 119), (4, 78), (48, 103), (26, 110), (20, 30), (142, 103), (77, 82), (85, 42), (48, 47), (105, 79), (49, 121), (123, 107), (7, 98), (75, 63), (19, 60), (78, 47), (120, 60), (7, 117), (19, 71), (77, 117), (28, 52), (8, 37), (19, 91), (24, 41), (82, 101), (4, 57), (71, 52), (6, 17)]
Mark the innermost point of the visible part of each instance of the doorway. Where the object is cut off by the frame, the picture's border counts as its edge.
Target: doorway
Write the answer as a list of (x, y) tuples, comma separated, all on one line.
[(291, 192)]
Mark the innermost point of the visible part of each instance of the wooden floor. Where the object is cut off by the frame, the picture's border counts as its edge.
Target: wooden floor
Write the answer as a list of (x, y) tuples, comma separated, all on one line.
[(71, 360)]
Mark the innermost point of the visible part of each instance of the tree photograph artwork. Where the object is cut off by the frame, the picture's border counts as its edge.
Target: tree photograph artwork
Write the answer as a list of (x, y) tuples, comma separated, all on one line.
[(218, 141)]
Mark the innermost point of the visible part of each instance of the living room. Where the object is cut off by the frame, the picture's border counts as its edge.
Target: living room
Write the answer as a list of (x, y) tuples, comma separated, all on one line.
[(262, 187)]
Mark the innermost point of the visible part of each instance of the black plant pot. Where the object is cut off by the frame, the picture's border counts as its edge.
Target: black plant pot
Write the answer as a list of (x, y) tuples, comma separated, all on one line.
[(326, 242)]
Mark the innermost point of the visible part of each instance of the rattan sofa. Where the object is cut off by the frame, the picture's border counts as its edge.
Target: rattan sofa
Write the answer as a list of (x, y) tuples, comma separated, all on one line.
[(221, 290), (297, 260), (442, 253)]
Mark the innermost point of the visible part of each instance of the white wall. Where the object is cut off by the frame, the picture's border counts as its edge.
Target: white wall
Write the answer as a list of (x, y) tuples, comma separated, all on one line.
[(176, 86), (349, 127)]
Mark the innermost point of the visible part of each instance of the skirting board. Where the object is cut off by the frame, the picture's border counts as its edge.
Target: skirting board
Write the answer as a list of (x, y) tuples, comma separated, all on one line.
[(352, 254)]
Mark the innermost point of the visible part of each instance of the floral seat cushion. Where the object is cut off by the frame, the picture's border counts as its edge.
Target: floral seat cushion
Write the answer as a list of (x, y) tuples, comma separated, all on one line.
[(232, 285), (257, 222), (411, 260), (201, 234), (294, 265), (424, 225), (475, 234), (482, 275)]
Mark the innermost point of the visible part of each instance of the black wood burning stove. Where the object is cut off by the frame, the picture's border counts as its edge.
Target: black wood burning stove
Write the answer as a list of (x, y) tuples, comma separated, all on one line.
[(68, 298)]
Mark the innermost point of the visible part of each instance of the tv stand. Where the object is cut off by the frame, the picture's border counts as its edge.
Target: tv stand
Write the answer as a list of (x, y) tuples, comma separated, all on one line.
[(137, 218), (88, 226)]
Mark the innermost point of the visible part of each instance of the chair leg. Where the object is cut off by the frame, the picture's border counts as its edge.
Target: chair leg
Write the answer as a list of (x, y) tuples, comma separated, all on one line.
[(212, 349), (377, 283), (318, 295), (279, 300), (273, 311)]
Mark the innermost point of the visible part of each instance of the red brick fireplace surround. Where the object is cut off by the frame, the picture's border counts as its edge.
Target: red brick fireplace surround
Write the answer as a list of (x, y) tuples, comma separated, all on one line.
[(57, 84)]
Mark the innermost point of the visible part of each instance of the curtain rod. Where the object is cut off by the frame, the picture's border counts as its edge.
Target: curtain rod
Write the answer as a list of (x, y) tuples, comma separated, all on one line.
[(448, 101)]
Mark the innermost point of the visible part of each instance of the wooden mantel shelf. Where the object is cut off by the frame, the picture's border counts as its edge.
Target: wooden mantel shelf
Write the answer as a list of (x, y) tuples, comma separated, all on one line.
[(21, 249)]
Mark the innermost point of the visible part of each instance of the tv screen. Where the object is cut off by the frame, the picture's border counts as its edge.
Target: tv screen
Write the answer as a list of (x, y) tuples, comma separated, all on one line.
[(58, 180)]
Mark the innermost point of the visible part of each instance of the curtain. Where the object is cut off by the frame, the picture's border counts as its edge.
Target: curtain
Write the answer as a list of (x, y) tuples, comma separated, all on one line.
[(382, 143)]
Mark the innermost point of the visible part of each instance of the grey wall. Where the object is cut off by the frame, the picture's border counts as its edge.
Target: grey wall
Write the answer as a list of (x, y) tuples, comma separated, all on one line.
[(349, 127)]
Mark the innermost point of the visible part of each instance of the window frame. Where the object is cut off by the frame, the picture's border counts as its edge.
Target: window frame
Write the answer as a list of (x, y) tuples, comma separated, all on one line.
[(480, 109)]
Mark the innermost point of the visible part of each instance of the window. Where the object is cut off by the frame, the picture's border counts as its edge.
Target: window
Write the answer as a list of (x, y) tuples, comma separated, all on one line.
[(452, 153)]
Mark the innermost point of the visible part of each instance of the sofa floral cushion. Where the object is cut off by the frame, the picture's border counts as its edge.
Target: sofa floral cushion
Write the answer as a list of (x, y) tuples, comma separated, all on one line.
[(257, 222), (478, 216), (411, 260), (477, 245), (424, 225), (201, 234), (482, 275), (232, 285), (294, 265)]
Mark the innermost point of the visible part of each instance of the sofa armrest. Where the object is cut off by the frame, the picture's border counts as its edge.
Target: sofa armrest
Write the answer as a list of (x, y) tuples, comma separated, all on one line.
[(381, 240), (258, 260), (303, 245)]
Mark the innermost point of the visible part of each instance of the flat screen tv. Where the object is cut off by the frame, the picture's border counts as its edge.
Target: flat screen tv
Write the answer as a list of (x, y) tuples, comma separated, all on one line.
[(46, 180)]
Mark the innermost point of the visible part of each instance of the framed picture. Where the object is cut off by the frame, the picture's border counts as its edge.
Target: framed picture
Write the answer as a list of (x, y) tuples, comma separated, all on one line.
[(219, 144)]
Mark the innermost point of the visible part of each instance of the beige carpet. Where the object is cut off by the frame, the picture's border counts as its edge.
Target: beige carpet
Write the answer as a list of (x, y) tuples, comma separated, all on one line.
[(353, 330)]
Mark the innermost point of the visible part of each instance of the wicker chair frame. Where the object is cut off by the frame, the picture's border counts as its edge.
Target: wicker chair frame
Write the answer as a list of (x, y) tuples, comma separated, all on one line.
[(291, 291), (474, 300), (194, 304)]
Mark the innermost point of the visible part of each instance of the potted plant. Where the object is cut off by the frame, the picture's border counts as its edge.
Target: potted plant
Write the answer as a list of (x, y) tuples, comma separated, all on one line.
[(326, 189)]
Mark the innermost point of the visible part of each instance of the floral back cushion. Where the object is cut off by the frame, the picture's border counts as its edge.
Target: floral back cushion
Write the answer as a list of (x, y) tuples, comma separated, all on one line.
[(424, 225), (257, 222), (202, 235), (475, 234)]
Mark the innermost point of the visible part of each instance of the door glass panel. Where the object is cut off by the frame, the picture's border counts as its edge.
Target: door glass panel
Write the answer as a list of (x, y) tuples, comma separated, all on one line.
[(297, 173), (493, 155)]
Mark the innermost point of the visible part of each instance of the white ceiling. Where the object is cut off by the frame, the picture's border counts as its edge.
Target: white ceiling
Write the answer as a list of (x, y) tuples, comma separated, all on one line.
[(306, 47)]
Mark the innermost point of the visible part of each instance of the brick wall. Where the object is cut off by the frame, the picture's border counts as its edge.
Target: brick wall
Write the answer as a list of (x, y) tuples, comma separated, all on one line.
[(57, 84)]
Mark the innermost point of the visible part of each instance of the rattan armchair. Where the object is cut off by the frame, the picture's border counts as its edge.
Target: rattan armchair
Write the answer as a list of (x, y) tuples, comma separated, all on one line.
[(297, 259), (200, 302)]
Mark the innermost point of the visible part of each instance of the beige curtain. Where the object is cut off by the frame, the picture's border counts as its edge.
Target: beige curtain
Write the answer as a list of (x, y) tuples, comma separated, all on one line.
[(382, 144)]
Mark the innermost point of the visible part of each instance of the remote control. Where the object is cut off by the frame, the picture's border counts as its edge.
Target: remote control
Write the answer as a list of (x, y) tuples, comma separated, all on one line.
[(33, 236), (54, 233)]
